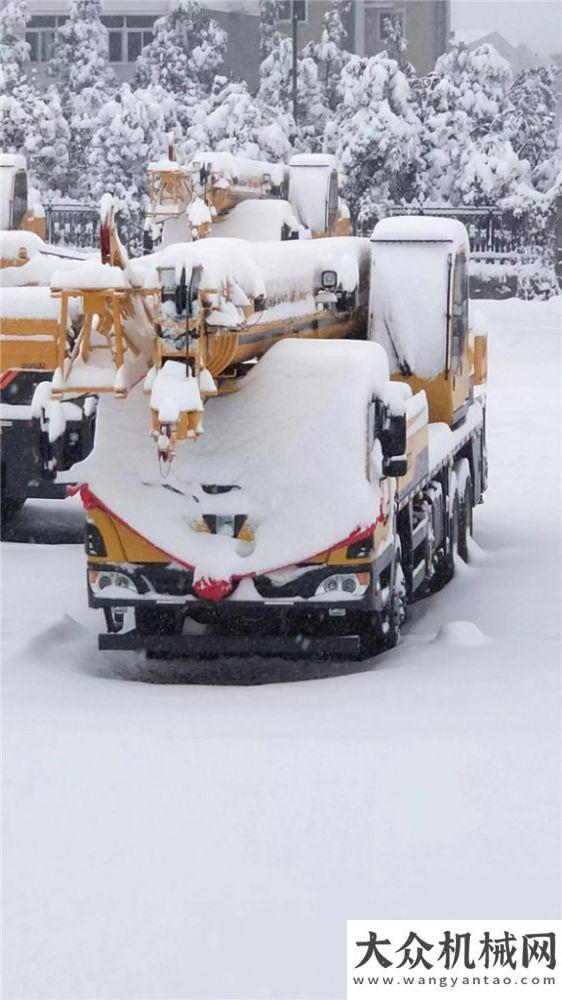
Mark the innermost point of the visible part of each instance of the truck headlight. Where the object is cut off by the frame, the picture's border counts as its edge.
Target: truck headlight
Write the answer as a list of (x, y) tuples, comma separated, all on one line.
[(101, 580), (344, 585)]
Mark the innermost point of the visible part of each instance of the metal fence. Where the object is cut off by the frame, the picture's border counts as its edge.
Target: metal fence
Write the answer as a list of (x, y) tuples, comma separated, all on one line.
[(72, 225), (492, 236)]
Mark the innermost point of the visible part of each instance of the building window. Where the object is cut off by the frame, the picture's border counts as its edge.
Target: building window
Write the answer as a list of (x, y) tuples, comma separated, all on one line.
[(386, 16), (128, 36), (40, 36), (136, 41), (115, 46), (291, 7)]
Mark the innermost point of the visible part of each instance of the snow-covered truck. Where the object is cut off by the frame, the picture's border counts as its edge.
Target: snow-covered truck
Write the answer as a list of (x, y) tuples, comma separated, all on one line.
[(20, 205), (29, 332), (332, 488), (221, 195)]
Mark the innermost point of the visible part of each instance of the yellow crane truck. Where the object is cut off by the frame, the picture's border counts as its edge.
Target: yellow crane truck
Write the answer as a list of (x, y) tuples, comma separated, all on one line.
[(330, 486), (29, 323), (219, 194)]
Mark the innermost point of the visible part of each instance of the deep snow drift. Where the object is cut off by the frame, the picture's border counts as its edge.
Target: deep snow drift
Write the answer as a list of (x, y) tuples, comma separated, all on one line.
[(208, 841)]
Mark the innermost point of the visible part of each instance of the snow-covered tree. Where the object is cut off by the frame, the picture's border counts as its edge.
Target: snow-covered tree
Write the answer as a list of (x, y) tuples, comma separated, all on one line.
[(14, 50), (35, 126), (232, 120), (84, 79), (185, 54), (329, 53), (131, 130), (445, 138), (466, 148), (482, 79), (530, 123), (276, 90), (31, 123), (80, 57), (375, 134), (269, 18), (397, 45)]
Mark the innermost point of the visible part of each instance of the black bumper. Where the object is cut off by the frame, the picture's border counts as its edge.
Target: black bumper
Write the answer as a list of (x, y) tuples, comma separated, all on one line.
[(22, 467), (325, 647)]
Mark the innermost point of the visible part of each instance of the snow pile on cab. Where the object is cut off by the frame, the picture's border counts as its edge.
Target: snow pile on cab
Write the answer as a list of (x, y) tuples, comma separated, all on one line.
[(276, 271), (290, 444), (38, 260), (259, 221)]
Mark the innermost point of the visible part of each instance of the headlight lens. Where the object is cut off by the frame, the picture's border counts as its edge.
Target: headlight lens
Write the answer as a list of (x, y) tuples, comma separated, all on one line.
[(102, 580), (344, 585)]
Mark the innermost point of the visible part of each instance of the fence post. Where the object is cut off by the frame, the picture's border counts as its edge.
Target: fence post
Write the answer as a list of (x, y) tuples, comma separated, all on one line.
[(48, 221)]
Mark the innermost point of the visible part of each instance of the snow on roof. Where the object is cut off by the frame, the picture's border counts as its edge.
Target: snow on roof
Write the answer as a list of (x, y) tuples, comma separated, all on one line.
[(12, 241), (28, 303), (90, 274), (421, 228), (14, 160), (258, 221), (234, 167), (312, 160), (276, 270), (292, 439), (165, 164), (38, 271)]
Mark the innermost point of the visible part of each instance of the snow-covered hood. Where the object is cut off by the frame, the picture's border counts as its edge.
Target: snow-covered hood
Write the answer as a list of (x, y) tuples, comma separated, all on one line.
[(293, 442)]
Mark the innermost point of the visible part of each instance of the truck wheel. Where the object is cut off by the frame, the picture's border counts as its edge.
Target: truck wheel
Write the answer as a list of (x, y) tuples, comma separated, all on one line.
[(396, 613), (444, 570), (465, 508), (382, 631), (10, 507), (156, 621)]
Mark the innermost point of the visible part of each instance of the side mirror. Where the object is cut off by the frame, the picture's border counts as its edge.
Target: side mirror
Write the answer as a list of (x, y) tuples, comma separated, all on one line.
[(329, 280), (393, 436), (395, 467), (181, 294)]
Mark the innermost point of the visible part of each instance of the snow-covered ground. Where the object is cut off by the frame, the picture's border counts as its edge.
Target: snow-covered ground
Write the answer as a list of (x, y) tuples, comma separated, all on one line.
[(173, 840)]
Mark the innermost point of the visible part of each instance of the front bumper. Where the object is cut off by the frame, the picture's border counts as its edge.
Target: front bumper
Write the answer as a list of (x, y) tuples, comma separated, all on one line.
[(181, 624), (205, 647), (22, 465)]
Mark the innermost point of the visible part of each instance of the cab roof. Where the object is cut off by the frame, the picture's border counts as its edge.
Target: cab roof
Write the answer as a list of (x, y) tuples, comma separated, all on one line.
[(421, 229)]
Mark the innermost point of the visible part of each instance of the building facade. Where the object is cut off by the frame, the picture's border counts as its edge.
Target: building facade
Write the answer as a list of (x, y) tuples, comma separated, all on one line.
[(426, 24)]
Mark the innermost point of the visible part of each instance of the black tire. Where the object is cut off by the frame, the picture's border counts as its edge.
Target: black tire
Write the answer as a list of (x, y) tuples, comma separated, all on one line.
[(382, 631), (396, 614), (156, 621), (445, 568), (465, 521), (10, 507)]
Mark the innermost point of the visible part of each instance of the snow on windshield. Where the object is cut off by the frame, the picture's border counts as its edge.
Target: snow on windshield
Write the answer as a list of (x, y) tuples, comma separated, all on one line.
[(409, 305)]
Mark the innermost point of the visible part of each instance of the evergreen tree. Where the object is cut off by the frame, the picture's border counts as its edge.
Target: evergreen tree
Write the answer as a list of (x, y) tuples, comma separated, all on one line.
[(445, 138), (530, 123), (276, 90), (131, 130), (186, 52), (232, 120), (376, 136), (397, 45), (269, 17), (482, 79), (30, 123), (329, 53), (14, 50), (80, 58), (85, 82)]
